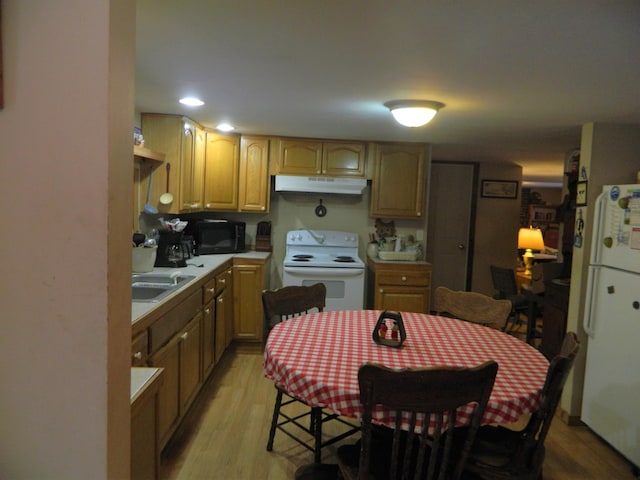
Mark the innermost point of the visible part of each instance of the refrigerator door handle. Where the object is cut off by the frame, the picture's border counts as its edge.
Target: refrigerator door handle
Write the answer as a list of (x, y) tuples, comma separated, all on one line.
[(598, 228), (589, 320)]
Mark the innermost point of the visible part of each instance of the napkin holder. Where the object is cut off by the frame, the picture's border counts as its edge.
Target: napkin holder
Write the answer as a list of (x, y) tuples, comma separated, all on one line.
[(389, 322)]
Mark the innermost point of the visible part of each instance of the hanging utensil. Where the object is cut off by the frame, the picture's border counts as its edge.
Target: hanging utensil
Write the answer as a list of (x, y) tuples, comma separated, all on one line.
[(148, 208), (321, 210), (167, 198)]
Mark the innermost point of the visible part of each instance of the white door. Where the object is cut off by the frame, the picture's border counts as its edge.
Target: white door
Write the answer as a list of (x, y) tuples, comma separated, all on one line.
[(450, 213)]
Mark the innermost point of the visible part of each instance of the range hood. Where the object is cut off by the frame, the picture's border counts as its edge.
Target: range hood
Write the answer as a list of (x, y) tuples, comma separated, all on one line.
[(343, 185)]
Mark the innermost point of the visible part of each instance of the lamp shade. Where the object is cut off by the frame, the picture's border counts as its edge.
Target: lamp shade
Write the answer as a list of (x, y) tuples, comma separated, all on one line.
[(413, 113), (530, 238)]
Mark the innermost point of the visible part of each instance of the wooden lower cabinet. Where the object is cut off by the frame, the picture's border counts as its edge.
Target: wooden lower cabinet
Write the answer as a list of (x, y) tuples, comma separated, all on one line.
[(187, 338), (209, 347), (180, 358), (168, 358), (250, 277), (399, 286), (145, 452)]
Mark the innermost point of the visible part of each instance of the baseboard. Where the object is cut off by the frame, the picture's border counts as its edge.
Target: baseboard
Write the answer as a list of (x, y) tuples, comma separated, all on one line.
[(571, 420)]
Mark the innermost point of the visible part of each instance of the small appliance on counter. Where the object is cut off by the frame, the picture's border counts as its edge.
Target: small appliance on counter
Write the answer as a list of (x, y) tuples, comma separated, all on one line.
[(217, 236), (173, 250)]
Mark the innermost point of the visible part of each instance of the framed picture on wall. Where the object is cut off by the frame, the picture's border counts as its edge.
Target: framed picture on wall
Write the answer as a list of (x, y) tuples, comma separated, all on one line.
[(499, 189), (581, 194)]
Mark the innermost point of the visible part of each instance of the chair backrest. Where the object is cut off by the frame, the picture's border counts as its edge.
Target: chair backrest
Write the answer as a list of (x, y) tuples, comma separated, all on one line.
[(291, 301), (504, 281), (531, 450), (472, 306), (435, 393)]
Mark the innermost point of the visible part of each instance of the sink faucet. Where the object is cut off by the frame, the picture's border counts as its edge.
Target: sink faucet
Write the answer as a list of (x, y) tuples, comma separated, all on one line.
[(174, 276)]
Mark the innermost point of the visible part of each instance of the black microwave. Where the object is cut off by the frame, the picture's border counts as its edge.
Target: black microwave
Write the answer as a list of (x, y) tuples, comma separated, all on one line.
[(218, 236)]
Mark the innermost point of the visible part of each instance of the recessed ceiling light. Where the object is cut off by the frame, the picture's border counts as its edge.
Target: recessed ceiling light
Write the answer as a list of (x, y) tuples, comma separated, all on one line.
[(225, 127), (191, 101)]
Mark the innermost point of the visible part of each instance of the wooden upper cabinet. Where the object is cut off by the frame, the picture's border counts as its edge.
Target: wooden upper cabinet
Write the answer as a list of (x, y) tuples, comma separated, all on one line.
[(299, 156), (221, 171), (399, 180), (344, 159), (177, 137), (192, 170), (254, 174)]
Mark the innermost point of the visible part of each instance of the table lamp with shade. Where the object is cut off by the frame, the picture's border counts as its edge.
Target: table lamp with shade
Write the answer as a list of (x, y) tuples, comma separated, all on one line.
[(529, 239)]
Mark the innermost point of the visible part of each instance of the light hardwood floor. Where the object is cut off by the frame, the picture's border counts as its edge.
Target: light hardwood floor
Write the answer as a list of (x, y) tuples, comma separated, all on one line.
[(225, 435)]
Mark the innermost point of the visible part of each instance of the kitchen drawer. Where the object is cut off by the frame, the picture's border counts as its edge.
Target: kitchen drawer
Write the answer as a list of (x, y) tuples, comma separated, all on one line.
[(209, 291), (417, 279), (140, 350), (223, 280), (162, 330)]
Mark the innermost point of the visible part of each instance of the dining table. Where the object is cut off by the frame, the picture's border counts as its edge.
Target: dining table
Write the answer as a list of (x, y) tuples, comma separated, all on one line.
[(316, 357)]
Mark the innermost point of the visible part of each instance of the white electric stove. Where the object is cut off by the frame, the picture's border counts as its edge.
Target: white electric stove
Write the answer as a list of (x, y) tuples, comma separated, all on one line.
[(329, 257)]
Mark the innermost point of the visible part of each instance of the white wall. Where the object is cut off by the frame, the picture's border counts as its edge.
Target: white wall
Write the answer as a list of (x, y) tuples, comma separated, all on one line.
[(496, 227), (65, 156)]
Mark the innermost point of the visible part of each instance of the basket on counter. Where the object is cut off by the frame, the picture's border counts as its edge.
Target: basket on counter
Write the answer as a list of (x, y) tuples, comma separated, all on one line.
[(405, 256), (143, 259)]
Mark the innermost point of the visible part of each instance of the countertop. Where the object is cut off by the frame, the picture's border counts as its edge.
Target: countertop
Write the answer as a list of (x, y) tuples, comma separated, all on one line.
[(141, 378), (209, 262)]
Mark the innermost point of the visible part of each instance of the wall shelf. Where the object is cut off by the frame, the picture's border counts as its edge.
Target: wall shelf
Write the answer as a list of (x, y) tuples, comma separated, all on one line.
[(148, 154)]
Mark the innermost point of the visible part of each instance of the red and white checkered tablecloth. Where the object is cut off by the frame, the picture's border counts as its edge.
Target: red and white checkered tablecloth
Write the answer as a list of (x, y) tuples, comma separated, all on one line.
[(316, 358)]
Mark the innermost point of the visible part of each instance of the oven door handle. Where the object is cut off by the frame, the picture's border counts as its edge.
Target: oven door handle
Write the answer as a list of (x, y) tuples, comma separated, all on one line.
[(325, 272)]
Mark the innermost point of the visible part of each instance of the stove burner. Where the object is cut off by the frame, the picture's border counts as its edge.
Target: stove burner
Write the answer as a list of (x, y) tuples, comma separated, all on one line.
[(301, 256), (300, 259), (344, 259)]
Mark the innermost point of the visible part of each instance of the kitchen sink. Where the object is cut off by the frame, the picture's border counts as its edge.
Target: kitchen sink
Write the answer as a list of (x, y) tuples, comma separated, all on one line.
[(153, 287)]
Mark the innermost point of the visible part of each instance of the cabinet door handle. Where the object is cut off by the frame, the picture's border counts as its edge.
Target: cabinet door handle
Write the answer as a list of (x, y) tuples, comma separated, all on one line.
[(404, 279), (263, 208), (211, 290), (206, 311), (223, 281), (381, 290), (137, 355), (184, 336), (220, 300)]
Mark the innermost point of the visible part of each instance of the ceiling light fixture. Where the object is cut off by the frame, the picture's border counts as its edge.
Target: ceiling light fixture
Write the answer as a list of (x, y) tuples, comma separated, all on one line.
[(413, 113), (225, 127), (191, 101)]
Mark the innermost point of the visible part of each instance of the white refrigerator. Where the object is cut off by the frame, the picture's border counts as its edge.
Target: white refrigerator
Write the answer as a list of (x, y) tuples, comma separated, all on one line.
[(611, 398)]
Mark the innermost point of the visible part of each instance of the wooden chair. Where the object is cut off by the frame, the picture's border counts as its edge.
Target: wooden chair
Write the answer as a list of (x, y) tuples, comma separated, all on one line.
[(433, 392), (500, 453), (504, 282), (283, 304), (472, 306), (289, 302)]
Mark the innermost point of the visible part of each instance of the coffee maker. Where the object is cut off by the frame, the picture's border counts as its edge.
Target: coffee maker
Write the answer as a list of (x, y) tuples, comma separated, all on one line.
[(173, 251)]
